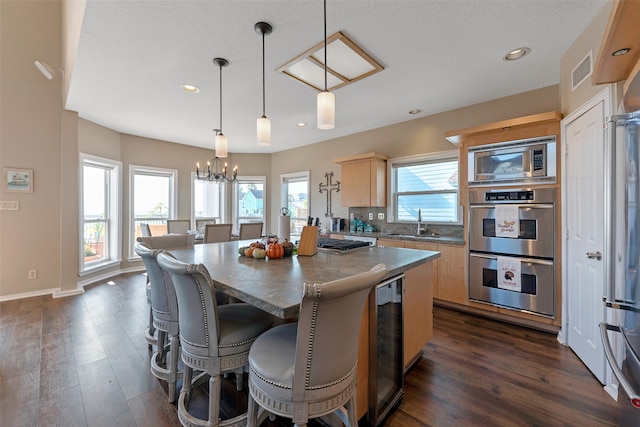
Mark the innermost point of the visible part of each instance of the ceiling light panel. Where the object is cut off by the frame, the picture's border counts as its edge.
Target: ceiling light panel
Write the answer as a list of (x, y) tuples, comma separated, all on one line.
[(344, 60), (312, 74), (346, 63)]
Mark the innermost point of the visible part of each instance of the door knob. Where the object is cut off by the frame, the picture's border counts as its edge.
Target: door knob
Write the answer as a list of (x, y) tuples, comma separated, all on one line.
[(596, 255)]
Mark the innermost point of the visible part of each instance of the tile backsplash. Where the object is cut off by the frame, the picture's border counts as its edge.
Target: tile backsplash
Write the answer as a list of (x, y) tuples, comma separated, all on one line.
[(381, 225)]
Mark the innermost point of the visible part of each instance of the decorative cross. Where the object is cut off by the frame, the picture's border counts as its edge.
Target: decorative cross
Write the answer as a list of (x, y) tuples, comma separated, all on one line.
[(329, 187)]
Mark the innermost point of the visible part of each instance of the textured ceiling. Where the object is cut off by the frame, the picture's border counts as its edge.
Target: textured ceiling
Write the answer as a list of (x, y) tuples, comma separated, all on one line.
[(437, 55)]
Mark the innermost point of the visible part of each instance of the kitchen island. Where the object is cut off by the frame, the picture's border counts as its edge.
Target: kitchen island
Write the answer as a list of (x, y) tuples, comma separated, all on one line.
[(275, 286)]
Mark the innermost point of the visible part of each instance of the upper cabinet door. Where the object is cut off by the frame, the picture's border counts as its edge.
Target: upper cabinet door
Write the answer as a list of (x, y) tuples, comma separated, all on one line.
[(364, 180)]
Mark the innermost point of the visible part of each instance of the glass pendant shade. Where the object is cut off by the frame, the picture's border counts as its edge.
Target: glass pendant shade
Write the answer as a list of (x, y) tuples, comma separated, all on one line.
[(264, 131), (221, 146), (326, 110)]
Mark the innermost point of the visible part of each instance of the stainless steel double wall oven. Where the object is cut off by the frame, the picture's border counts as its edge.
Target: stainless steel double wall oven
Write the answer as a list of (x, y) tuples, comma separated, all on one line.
[(528, 252)]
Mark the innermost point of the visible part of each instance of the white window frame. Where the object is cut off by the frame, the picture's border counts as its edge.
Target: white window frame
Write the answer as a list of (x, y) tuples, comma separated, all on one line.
[(172, 174), (222, 194), (423, 158), (113, 239), (243, 180), (295, 177)]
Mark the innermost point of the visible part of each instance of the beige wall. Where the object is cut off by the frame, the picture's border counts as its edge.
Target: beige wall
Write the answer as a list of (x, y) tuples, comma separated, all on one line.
[(589, 39), (418, 136), (36, 133), (31, 138)]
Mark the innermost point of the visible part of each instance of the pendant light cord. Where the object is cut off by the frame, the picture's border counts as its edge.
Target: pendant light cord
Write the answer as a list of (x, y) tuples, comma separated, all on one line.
[(325, 45), (263, 80), (221, 99)]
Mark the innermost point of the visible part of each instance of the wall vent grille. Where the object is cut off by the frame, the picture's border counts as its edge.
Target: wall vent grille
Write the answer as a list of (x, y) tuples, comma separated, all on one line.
[(582, 71)]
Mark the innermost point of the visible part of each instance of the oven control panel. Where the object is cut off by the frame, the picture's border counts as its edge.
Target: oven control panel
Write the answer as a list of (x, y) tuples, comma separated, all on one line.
[(504, 196)]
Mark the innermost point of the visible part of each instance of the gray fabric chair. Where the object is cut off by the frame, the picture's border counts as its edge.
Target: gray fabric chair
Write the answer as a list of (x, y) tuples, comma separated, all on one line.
[(250, 230), (167, 242), (145, 229), (178, 226), (202, 222), (307, 370), (164, 308), (160, 242), (215, 339), (217, 233)]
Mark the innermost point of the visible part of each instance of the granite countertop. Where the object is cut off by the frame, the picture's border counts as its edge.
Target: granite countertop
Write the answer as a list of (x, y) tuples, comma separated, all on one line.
[(275, 285), (449, 240)]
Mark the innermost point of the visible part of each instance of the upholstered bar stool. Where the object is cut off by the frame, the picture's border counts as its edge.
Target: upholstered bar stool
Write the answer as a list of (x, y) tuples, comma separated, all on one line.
[(307, 370), (160, 242), (164, 307), (215, 339), (250, 230)]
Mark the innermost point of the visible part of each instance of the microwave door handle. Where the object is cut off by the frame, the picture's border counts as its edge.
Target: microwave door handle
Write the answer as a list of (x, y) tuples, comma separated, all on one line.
[(524, 206), (634, 397)]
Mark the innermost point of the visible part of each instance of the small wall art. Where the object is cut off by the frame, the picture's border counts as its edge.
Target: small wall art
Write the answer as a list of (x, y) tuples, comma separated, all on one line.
[(15, 180)]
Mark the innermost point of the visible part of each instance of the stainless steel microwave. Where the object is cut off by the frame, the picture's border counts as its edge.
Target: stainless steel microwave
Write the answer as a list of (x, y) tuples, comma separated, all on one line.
[(522, 161)]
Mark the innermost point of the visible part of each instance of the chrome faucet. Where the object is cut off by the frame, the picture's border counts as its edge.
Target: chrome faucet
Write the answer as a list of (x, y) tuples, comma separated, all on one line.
[(420, 229)]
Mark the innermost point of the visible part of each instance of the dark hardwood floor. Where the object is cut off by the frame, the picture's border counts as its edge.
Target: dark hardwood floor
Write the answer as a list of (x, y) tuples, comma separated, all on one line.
[(83, 361)]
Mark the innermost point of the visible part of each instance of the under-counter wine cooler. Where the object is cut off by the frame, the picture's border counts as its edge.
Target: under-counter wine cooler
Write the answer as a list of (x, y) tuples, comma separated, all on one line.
[(386, 364)]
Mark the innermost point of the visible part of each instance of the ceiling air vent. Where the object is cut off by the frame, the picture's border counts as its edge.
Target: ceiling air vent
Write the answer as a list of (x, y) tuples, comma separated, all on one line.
[(582, 71)]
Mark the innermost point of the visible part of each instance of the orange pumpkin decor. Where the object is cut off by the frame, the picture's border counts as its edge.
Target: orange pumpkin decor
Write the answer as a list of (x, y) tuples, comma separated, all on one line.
[(275, 251)]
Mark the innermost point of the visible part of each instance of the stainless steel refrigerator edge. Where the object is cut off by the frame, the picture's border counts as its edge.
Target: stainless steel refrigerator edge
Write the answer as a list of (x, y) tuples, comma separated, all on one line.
[(621, 337)]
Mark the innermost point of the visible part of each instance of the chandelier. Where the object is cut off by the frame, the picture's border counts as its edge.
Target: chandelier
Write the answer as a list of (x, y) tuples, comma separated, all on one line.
[(216, 171)]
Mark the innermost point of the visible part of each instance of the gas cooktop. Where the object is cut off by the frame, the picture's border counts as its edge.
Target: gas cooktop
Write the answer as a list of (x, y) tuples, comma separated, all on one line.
[(341, 245)]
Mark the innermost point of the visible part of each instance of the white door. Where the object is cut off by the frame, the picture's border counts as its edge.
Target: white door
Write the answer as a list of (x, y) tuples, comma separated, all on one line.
[(584, 216)]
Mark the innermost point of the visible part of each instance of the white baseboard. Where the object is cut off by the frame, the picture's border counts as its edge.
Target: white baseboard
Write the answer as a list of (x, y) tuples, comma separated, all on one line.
[(28, 294), (59, 293), (612, 390)]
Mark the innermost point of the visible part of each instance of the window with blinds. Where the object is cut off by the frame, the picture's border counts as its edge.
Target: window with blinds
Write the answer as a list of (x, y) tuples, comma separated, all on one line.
[(425, 184)]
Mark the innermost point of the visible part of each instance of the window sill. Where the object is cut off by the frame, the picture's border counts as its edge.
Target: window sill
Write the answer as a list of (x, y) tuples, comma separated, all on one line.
[(99, 267)]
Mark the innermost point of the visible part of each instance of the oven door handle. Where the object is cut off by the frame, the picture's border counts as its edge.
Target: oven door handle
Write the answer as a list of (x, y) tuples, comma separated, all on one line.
[(523, 259), (634, 397), (520, 205)]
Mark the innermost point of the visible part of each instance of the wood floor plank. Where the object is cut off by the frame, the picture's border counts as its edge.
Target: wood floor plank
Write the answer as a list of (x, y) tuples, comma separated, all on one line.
[(103, 399), (83, 361)]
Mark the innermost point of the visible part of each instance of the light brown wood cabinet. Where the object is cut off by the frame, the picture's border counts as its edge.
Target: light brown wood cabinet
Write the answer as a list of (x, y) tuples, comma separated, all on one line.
[(419, 286), (417, 331), (449, 271), (417, 311), (363, 181)]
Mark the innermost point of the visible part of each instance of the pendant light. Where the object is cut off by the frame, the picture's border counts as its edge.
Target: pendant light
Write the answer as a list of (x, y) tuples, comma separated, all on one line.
[(221, 140), (264, 124), (326, 99)]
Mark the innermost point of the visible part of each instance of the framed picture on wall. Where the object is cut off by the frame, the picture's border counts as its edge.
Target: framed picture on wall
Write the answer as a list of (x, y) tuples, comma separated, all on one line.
[(16, 180)]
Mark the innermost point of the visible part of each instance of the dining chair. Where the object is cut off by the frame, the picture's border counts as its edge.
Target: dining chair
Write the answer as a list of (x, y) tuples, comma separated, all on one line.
[(250, 230), (145, 229), (307, 369), (168, 241), (202, 222), (178, 226), (215, 339), (217, 233)]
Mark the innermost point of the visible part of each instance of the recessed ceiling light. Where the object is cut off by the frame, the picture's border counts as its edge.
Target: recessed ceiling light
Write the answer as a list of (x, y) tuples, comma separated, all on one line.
[(621, 52), (516, 54), (190, 88), (415, 111), (301, 125)]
